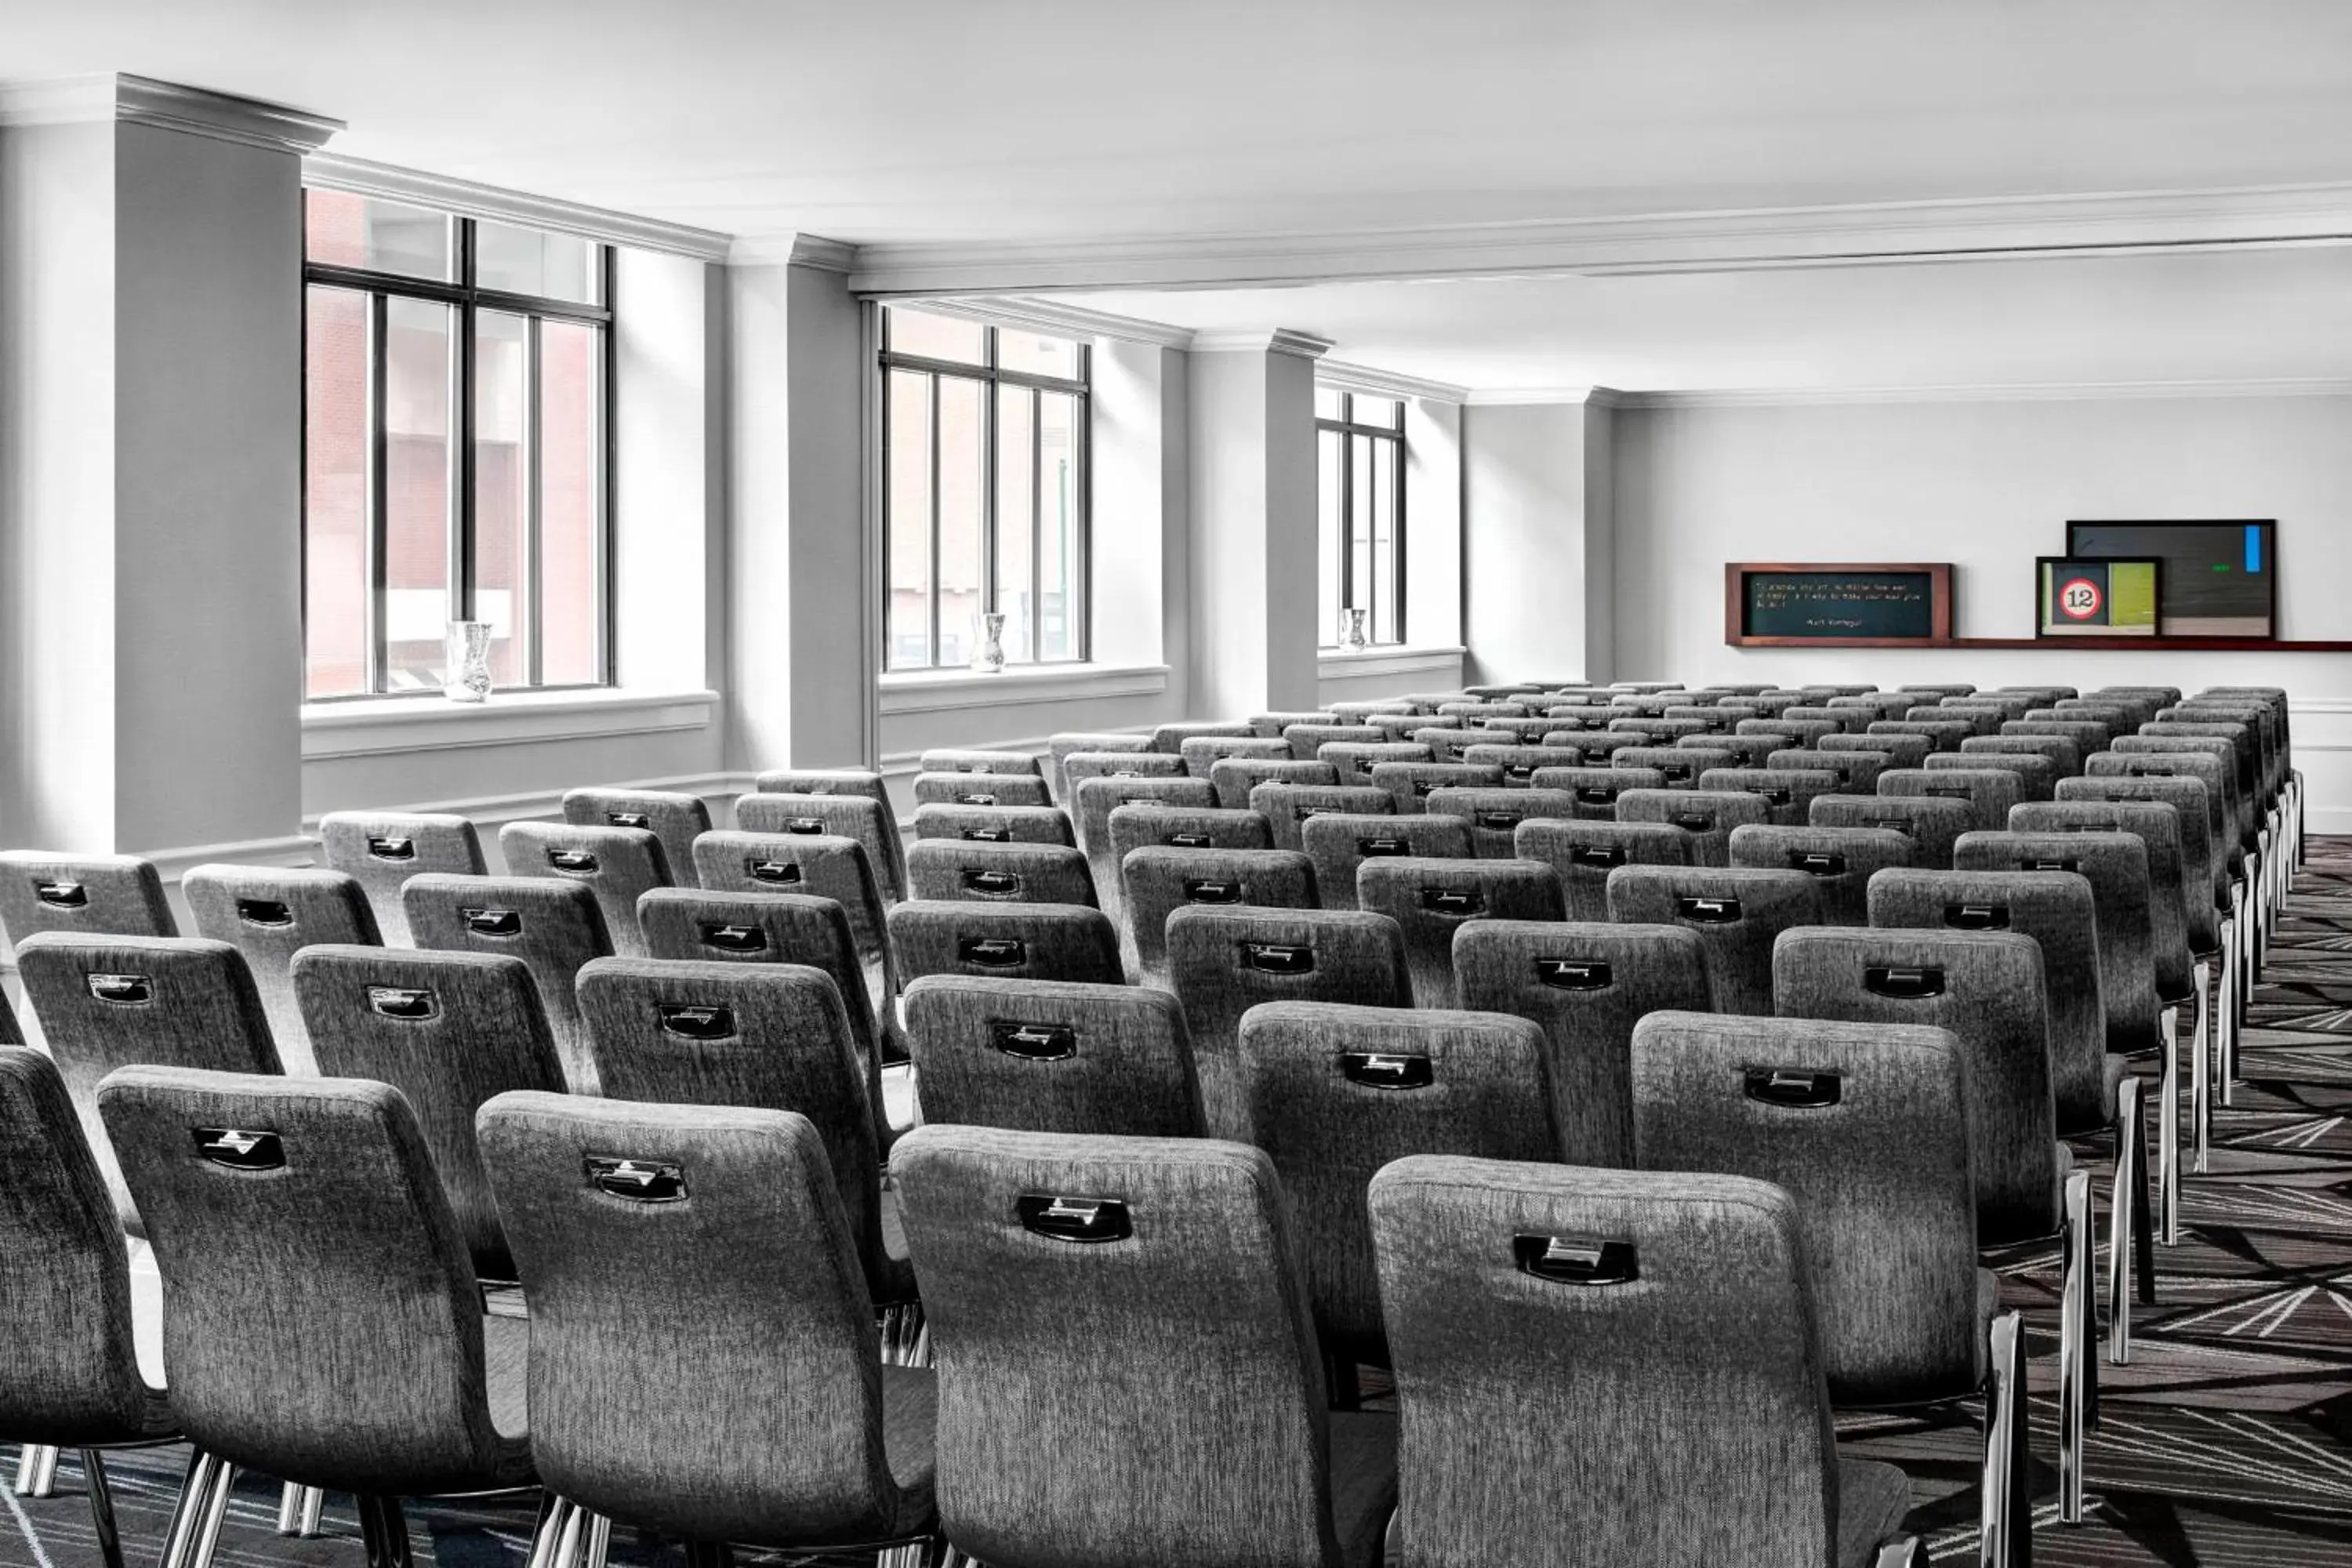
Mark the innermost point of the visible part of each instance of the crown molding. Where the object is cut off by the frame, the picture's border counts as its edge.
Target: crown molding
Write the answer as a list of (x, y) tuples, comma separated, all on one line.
[(470, 198), (1733, 240), (168, 106), (2032, 392), (1387, 383), (1062, 321), (1275, 341), (1514, 397), (791, 250)]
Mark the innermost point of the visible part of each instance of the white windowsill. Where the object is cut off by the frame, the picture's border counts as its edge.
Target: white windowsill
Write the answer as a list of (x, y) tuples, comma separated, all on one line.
[(1330, 663), (941, 690), (369, 726)]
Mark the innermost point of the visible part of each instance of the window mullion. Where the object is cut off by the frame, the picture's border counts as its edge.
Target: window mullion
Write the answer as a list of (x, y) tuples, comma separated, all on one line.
[(990, 586), (1037, 614), (378, 495), (526, 595), (932, 578)]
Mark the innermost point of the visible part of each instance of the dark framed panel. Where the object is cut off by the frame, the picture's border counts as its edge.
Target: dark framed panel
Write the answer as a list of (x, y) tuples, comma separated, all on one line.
[(2220, 575), (1837, 604), (2074, 598)]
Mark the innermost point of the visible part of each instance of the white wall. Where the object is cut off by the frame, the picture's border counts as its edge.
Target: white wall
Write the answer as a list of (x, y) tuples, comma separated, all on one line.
[(1986, 485), (1532, 550)]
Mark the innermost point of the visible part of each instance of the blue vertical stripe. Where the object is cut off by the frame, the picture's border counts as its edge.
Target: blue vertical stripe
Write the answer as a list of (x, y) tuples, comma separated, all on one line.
[(2253, 548)]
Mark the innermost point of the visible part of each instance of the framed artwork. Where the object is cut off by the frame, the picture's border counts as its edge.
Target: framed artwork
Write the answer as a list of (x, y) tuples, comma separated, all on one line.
[(2076, 597)]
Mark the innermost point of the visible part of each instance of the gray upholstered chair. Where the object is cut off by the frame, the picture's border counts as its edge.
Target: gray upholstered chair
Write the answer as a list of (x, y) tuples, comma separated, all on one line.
[(619, 865), (1060, 748), (554, 927), (381, 849), (1334, 1094), (1854, 772), (1495, 814), (1899, 750), (963, 788), (1787, 793), (1684, 1422), (1679, 765), (1840, 860), (82, 895), (676, 818), (116, 1001), (1806, 733), (70, 1368), (761, 1412), (773, 1036), (1142, 762), (1338, 843), (1186, 1420), (1941, 734), (864, 817), (1735, 912), (322, 1322), (1586, 986), (1448, 740), (998, 873), (1989, 793), (1044, 1055), (1098, 799), (1582, 854), (978, 824), (1707, 816), (1236, 779), (1431, 901), (1594, 790), (1520, 762), (1009, 942), (1932, 823), (1757, 751), (1186, 827), (1169, 738), (971, 760), (824, 867), (1203, 752), (449, 1030), (1271, 724), (2085, 734), (1411, 785), (2065, 759), (2037, 777), (270, 914), (2116, 866), (1157, 879), (1225, 961), (1287, 805), (1354, 761)]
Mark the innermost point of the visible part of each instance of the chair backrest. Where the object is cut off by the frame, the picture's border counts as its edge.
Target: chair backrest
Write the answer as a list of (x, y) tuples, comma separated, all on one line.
[(1865, 1126), (1203, 752), (1060, 748), (963, 788), (309, 1252), (863, 817), (1708, 815), (684, 923), (674, 818), (2116, 864), (1411, 785), (1205, 1273), (1987, 988), (381, 849), (270, 914), (993, 824), (1236, 779), (1521, 763), (1159, 880), (1988, 792), (1271, 725), (68, 1373), (1431, 901), (1736, 912), (1306, 740), (1354, 760), (1684, 1422), (2057, 911), (1942, 734), (1224, 961), (1449, 740), (2065, 759), (1850, 719), (2036, 776), (1141, 763), (998, 873), (1932, 825), (1009, 942), (1582, 854), (449, 1030), (1586, 986), (1840, 860), (724, 1226), (554, 927), (1186, 827), (1335, 1093), (1679, 765), (1901, 751), (1338, 843), (1098, 799), (1787, 793), (1806, 732), (1044, 1055), (771, 1036), (2204, 874), (1171, 738), (1495, 814), (619, 865), (2157, 824), (1285, 806), (107, 1002), (1756, 750), (968, 760), (82, 895), (827, 866), (1850, 772), (1593, 791)]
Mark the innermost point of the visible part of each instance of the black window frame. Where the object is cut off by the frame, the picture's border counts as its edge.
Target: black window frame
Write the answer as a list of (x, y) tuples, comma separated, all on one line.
[(467, 300), (1350, 430), (991, 375)]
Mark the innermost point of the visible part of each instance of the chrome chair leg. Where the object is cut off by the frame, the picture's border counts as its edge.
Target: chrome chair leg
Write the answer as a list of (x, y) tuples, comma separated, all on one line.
[(314, 1505), (2167, 1128), (1903, 1552), (2077, 1367), (101, 1506), (2006, 1517), (2225, 1008), (600, 1541), (36, 1470), (2131, 1251), (2201, 1076), (187, 1512), (298, 1508), (208, 1523), (553, 1511), (567, 1544)]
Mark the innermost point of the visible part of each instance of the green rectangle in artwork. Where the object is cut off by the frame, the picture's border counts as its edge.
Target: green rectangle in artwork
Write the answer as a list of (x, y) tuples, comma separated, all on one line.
[(2131, 594)]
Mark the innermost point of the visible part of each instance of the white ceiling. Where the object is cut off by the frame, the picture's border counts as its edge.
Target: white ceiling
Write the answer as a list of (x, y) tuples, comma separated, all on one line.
[(1049, 123)]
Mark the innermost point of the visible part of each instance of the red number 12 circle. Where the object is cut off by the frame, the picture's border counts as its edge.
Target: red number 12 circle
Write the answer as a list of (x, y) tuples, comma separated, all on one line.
[(2079, 599)]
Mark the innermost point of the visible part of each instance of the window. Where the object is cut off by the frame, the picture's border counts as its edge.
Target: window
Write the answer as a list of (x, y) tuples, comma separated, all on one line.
[(456, 406), (983, 491), (1359, 501)]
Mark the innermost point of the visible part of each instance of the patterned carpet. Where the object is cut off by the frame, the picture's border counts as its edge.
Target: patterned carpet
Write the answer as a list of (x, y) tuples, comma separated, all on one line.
[(2227, 1443)]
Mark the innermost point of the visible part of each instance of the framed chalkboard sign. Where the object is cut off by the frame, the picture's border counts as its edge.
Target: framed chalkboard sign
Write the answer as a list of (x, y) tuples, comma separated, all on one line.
[(1837, 604)]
